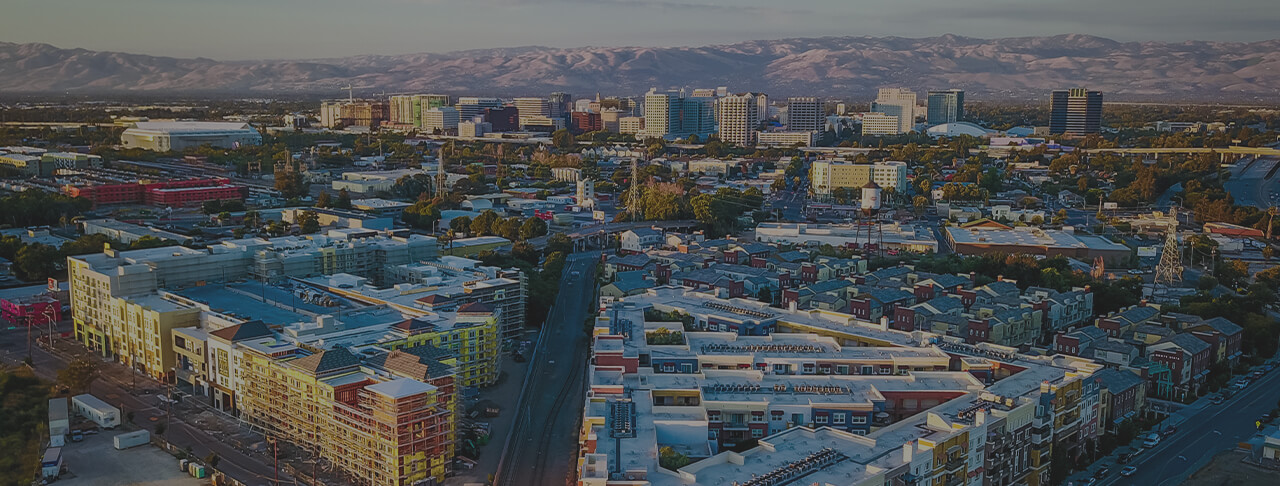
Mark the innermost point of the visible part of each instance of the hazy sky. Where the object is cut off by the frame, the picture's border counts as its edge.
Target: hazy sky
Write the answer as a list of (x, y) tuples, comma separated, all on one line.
[(271, 29)]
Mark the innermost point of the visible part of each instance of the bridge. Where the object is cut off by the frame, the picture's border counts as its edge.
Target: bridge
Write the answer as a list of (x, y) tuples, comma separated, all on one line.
[(596, 236), (1235, 151)]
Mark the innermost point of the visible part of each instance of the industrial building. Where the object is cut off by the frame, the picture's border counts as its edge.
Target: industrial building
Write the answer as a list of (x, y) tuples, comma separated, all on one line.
[(182, 135), (128, 233), (1034, 241)]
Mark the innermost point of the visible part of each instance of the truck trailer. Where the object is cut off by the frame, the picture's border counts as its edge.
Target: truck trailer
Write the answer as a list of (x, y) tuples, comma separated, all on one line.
[(132, 439), (59, 422)]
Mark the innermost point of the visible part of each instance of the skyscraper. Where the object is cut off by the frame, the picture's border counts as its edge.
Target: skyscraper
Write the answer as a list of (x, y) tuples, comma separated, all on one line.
[(805, 114), (698, 116), (738, 117), (561, 104), (1076, 111), (945, 106), (669, 115), (899, 102)]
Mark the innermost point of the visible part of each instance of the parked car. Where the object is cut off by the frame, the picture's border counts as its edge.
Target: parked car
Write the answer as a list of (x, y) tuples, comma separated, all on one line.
[(1217, 399), (1102, 472), (1128, 471), (1168, 431), (77, 436), (1151, 441)]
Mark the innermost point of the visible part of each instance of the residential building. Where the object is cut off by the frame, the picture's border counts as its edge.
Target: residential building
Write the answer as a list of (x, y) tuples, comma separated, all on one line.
[(631, 125), (896, 236), (945, 107), (738, 119), (805, 114), (1076, 111), (897, 102), (827, 175), (639, 240)]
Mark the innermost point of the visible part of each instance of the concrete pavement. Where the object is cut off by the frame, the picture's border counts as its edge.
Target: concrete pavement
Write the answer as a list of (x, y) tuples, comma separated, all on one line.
[(1203, 430), (542, 448)]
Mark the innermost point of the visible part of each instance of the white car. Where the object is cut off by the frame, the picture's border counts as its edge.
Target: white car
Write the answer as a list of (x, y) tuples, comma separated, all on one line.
[(1128, 471)]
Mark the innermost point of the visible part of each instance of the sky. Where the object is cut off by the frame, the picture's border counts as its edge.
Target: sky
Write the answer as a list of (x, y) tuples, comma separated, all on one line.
[(300, 29)]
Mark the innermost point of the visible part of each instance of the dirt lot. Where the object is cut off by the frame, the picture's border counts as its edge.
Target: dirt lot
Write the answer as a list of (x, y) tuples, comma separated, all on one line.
[(1227, 469)]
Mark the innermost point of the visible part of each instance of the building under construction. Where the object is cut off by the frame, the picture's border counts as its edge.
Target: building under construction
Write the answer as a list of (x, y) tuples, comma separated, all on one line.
[(384, 418)]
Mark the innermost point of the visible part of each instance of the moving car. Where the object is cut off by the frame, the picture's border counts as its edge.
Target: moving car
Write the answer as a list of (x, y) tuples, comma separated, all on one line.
[(1128, 471)]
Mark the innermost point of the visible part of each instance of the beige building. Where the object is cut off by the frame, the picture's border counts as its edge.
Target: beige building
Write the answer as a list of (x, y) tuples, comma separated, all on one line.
[(827, 175), (876, 123), (899, 102), (738, 118)]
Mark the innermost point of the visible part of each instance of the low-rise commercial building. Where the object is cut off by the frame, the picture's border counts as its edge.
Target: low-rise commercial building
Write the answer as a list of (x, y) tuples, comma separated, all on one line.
[(1034, 241), (181, 135), (898, 236)]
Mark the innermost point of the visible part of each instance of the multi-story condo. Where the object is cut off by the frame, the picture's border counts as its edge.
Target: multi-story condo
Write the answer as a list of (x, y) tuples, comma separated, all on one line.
[(899, 102), (738, 119), (945, 106), (758, 395), (827, 175), (805, 114), (632, 125), (1076, 111), (786, 138)]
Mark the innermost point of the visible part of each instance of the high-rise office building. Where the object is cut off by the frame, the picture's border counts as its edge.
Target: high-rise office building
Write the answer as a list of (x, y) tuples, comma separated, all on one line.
[(440, 118), (899, 102), (669, 115), (738, 118), (561, 104), (805, 114), (1076, 111), (533, 106), (407, 109), (945, 106), (470, 106)]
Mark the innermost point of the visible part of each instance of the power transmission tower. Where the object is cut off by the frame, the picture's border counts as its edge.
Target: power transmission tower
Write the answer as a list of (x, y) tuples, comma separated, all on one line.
[(1169, 271), (634, 200), (442, 179)]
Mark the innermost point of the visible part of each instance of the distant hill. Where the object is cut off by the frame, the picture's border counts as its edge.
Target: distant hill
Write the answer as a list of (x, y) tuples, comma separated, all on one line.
[(1019, 68)]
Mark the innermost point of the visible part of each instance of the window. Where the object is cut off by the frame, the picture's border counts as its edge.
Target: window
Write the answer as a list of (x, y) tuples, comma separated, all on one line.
[(857, 419), (757, 433), (779, 369), (842, 370), (837, 418), (821, 419), (668, 368), (808, 368), (686, 368), (866, 370)]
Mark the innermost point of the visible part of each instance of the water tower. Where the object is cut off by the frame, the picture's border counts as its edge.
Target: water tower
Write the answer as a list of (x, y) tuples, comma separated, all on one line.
[(868, 222)]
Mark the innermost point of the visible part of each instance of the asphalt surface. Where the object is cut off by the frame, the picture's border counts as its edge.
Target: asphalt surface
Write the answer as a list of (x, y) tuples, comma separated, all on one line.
[(117, 387), (1250, 187), (543, 447), (1203, 434)]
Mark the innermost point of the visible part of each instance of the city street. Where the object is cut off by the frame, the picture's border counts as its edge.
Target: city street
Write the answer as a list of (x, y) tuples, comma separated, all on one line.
[(1203, 430), (542, 447), (114, 386)]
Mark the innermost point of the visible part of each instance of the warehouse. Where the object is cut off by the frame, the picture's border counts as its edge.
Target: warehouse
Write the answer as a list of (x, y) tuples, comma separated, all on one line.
[(171, 136)]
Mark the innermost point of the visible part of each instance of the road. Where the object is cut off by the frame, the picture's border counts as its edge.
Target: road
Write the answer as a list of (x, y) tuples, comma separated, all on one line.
[(1213, 429), (542, 449), (613, 228), (1248, 183), (114, 387)]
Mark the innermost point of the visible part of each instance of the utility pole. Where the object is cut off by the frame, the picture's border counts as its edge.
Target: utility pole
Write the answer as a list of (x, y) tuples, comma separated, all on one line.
[(634, 200)]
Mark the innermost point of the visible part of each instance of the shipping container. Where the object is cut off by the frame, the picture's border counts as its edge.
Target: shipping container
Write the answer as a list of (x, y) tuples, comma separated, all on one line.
[(132, 439), (106, 416), (59, 422)]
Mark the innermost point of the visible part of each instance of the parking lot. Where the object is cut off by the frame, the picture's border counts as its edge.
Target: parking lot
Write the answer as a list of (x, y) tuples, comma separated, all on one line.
[(95, 461)]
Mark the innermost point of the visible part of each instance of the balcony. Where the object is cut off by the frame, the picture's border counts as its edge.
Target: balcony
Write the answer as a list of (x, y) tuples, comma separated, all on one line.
[(955, 464)]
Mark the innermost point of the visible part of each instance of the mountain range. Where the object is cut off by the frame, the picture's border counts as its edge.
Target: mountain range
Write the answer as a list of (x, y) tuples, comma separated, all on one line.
[(1009, 68)]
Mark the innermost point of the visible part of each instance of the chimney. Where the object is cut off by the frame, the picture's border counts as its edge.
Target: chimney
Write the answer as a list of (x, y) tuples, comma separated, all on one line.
[(999, 278), (792, 306), (907, 451), (884, 323)]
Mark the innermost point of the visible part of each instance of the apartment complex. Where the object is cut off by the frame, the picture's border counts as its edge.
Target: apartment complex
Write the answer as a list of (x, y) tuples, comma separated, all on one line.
[(828, 175), (738, 119), (876, 123), (822, 395)]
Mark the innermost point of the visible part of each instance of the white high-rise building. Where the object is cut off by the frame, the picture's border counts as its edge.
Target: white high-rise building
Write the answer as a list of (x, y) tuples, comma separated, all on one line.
[(899, 102), (738, 119), (441, 118), (805, 114), (661, 113)]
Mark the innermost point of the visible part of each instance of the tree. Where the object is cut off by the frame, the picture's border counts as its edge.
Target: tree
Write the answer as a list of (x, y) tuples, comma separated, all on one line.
[(460, 224), (563, 139), (522, 250), (920, 203), (344, 200), (508, 228), (559, 242), (533, 228), (37, 262), (149, 241), (78, 375), (324, 200), (483, 224), (291, 185), (779, 184), (308, 222)]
